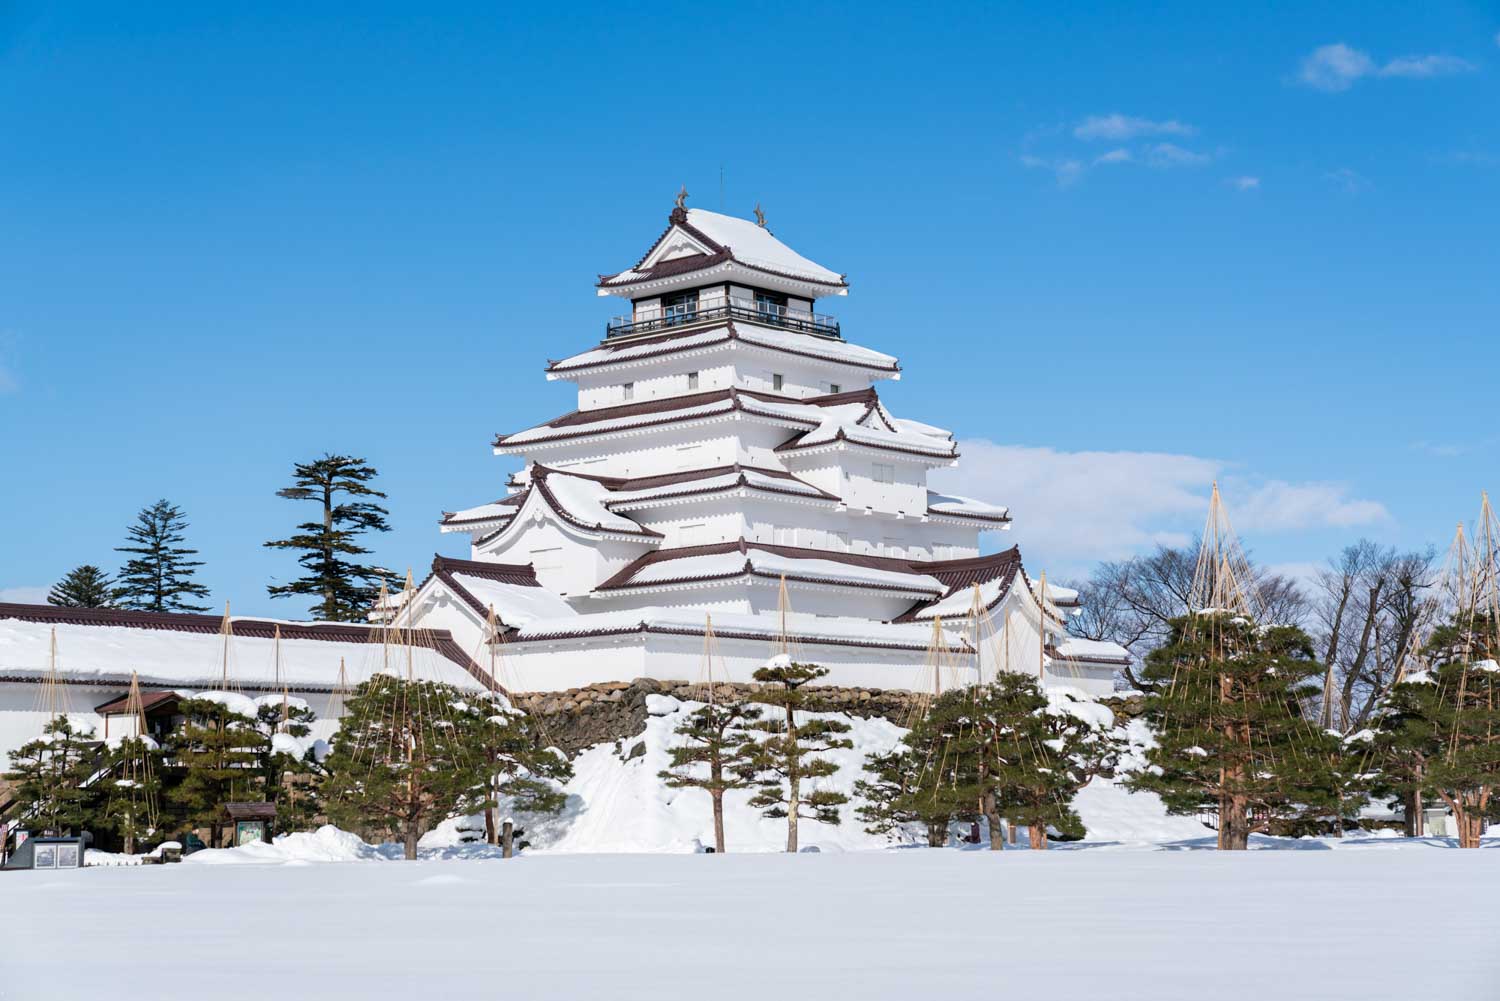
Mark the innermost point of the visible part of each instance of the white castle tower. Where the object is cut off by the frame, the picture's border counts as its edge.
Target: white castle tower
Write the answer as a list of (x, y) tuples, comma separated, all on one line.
[(730, 455)]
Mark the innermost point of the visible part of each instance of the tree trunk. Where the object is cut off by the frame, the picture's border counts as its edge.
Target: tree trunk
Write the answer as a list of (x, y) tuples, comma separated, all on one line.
[(718, 795), (508, 840), (329, 612), (1037, 836), (1412, 807), (491, 833), (937, 833), (1470, 822), (1010, 832), (1234, 824), (1331, 657), (794, 781), (411, 835), (992, 821)]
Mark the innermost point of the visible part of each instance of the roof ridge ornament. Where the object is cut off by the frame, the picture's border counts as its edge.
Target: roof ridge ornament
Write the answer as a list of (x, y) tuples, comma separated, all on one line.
[(679, 207), (760, 217)]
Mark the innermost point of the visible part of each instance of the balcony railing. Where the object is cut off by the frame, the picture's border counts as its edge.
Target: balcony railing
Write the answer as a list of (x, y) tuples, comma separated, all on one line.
[(707, 310)]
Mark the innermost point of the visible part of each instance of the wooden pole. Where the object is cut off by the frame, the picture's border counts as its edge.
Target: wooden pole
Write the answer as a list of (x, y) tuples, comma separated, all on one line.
[(1041, 625)]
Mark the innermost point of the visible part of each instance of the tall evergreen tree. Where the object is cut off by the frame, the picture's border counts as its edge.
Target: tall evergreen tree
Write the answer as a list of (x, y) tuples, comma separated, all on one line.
[(786, 755), (712, 755), (339, 485), (160, 576), (84, 586), (51, 776), (1224, 700), (218, 751), (405, 758), (1440, 732)]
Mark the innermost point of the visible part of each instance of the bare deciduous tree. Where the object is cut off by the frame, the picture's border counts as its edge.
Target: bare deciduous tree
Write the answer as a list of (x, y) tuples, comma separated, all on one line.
[(1133, 602), (1369, 602)]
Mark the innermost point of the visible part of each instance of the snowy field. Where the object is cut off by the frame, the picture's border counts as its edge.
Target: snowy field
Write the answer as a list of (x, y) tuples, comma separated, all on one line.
[(1371, 919)]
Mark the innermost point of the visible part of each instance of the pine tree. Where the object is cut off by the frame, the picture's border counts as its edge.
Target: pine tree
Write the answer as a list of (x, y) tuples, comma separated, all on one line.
[(218, 751), (787, 755), (1441, 731), (84, 586), (345, 589), (160, 577), (901, 792), (1224, 701), (1048, 747), (521, 770), (1405, 741), (404, 759), (287, 770), (52, 777), (713, 737), (135, 767)]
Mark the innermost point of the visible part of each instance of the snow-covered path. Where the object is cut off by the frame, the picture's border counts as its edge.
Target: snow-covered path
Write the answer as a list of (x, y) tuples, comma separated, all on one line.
[(1380, 919)]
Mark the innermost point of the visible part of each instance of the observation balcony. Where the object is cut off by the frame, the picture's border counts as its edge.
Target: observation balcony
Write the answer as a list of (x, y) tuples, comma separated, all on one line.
[(716, 309)]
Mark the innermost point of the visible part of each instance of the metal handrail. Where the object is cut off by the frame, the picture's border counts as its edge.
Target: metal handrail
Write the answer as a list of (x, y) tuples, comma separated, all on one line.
[(769, 314)]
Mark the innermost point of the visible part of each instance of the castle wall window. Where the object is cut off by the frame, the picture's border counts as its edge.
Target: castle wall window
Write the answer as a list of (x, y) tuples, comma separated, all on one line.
[(679, 308)]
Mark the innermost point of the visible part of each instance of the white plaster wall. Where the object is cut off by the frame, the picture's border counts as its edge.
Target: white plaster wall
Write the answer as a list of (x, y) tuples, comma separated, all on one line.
[(558, 666)]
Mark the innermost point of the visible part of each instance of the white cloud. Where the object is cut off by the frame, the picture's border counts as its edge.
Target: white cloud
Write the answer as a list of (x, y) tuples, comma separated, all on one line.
[(1335, 67), (8, 383), (1076, 508), (1113, 156), (1172, 155), (1117, 127), (1245, 183), (24, 595), (1338, 67), (1279, 506), (1421, 67), (1065, 169)]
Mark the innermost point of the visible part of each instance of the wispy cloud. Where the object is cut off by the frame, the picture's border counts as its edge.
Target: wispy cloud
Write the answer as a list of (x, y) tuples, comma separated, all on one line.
[(1351, 182), (1117, 127), (1243, 183), (1067, 170), (1074, 508), (8, 383), (1440, 449), (25, 594), (1279, 506), (1113, 156), (1163, 155), (1337, 67)]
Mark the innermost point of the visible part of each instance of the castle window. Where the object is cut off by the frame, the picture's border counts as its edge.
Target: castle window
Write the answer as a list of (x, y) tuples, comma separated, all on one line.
[(627, 391), (692, 380), (679, 308), (771, 307), (883, 472), (777, 381)]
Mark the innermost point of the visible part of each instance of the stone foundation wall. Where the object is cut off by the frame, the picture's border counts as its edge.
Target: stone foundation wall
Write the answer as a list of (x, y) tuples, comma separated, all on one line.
[(616, 710), (613, 711)]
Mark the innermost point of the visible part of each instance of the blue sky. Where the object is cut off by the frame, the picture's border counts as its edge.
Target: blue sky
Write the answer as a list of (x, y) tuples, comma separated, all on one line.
[(1119, 253)]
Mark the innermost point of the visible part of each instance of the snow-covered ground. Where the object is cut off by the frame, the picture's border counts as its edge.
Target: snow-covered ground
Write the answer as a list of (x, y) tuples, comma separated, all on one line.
[(1374, 919), (1141, 909)]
